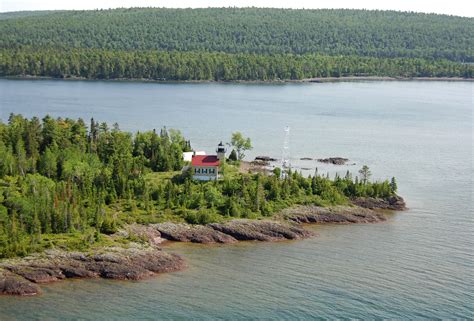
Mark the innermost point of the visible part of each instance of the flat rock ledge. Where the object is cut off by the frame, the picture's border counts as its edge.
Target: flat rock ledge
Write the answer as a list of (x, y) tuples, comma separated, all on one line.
[(12, 284), (21, 276), (337, 214), (232, 231)]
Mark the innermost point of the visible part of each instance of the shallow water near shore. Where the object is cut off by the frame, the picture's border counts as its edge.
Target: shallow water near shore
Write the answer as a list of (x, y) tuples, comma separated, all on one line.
[(418, 264)]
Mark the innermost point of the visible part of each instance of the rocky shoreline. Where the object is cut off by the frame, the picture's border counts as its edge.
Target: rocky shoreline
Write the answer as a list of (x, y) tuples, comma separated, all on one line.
[(394, 203), (143, 257), (22, 276), (233, 231), (304, 80)]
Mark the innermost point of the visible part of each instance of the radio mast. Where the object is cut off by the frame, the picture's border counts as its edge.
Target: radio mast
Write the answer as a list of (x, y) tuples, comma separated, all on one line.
[(285, 159)]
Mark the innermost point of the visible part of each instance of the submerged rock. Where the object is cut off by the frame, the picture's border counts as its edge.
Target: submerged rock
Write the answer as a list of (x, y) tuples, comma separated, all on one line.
[(337, 214)]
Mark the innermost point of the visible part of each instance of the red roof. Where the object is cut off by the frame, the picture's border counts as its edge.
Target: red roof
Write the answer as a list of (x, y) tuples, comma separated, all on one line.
[(205, 160)]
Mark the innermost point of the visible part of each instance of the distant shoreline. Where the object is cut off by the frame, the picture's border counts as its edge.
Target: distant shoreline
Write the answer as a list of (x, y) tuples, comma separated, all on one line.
[(273, 81)]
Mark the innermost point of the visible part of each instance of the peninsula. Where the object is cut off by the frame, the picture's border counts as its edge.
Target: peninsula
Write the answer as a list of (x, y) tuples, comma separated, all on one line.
[(82, 202)]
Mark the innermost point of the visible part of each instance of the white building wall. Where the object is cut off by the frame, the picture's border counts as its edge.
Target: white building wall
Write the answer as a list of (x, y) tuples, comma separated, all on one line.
[(188, 156)]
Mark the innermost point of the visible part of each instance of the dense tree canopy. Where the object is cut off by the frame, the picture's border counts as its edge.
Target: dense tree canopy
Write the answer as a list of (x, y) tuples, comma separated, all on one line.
[(59, 177), (247, 30), (106, 64), (234, 44)]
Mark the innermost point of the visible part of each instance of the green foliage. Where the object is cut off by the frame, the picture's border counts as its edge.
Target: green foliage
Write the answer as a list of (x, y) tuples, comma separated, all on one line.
[(233, 155), (214, 66), (277, 171), (69, 186), (232, 44), (244, 30), (393, 185), (365, 173), (47, 189), (240, 144), (202, 216)]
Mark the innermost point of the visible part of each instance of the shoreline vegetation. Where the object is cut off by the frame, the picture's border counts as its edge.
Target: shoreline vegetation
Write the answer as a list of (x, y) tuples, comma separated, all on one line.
[(283, 81), (89, 63), (143, 255), (80, 202)]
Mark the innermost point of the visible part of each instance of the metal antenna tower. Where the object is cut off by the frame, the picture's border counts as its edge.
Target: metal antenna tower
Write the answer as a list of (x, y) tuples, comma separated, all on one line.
[(285, 159)]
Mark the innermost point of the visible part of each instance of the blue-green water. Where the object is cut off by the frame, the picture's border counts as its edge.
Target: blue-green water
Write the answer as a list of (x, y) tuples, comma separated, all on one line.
[(419, 264)]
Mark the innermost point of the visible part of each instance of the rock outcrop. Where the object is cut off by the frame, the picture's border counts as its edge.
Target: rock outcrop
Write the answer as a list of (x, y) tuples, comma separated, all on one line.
[(138, 261), (19, 276), (265, 230), (12, 284), (395, 203), (265, 159), (232, 231), (143, 233), (334, 160), (337, 214), (182, 232)]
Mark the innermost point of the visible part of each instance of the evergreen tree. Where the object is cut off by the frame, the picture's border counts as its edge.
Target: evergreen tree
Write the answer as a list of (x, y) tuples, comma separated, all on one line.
[(365, 174), (393, 185)]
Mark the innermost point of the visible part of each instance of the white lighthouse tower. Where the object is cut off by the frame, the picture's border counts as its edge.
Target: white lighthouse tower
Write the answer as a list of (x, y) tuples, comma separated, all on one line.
[(221, 152)]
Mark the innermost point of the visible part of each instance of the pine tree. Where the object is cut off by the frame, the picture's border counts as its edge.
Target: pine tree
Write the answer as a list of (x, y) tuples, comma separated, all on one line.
[(365, 174), (393, 185)]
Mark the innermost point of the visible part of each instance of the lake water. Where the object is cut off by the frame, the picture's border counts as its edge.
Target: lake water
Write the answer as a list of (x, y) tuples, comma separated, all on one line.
[(419, 264)]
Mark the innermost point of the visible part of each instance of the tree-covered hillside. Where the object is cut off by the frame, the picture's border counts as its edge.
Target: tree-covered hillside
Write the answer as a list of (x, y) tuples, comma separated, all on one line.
[(249, 30)]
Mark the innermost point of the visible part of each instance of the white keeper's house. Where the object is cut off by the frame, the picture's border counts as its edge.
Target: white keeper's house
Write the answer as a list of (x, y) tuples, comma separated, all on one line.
[(206, 167)]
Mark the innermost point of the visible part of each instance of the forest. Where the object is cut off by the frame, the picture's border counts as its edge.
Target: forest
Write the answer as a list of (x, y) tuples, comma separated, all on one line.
[(154, 65), (65, 184), (225, 44), (246, 30)]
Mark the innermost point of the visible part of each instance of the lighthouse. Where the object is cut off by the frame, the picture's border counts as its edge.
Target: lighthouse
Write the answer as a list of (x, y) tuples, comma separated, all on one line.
[(206, 167), (221, 152)]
